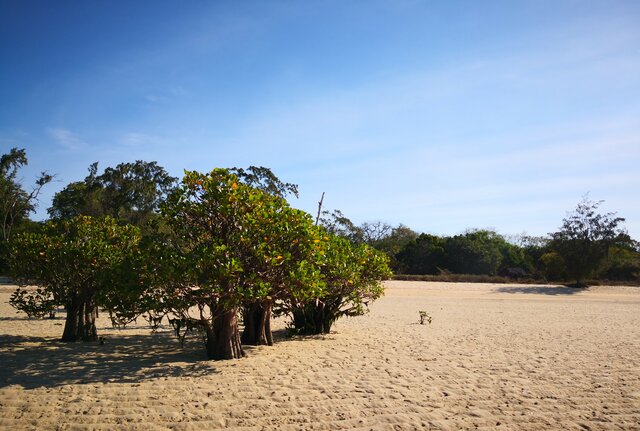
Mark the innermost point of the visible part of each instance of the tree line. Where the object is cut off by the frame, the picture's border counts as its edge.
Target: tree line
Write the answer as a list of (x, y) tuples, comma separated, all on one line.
[(588, 246)]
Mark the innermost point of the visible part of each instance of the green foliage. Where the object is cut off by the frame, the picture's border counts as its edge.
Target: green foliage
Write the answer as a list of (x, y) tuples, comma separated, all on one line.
[(264, 179), (15, 202), (216, 222), (76, 263), (336, 223), (130, 192), (4, 257), (352, 275), (74, 200), (392, 243), (553, 266), (622, 263), (424, 255), (38, 303), (475, 252), (379, 235), (513, 257), (533, 248), (231, 244), (584, 239)]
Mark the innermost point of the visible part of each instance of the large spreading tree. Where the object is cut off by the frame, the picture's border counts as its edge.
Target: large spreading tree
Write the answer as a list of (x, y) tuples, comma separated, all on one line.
[(129, 192), (230, 246), (584, 240)]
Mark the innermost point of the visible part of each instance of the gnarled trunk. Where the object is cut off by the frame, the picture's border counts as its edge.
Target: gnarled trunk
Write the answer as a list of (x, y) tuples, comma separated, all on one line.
[(314, 318), (80, 323), (257, 324), (223, 335)]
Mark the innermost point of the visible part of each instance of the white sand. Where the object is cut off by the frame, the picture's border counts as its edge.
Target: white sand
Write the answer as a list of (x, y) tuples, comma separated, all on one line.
[(495, 357)]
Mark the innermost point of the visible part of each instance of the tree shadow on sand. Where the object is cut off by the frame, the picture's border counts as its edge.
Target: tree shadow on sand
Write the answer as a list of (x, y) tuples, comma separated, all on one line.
[(35, 361), (285, 335), (541, 290), (13, 319)]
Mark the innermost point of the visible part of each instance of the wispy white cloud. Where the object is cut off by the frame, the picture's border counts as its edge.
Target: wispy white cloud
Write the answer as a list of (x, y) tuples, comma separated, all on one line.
[(166, 95), (554, 72), (67, 139), (136, 139), (446, 189)]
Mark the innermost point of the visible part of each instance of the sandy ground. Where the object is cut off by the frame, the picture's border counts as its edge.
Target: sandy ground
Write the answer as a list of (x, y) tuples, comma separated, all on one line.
[(494, 357)]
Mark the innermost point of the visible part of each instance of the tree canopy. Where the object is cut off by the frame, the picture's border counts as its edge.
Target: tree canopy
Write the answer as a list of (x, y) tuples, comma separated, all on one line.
[(351, 275), (76, 263), (232, 245), (15, 202), (130, 192), (585, 237)]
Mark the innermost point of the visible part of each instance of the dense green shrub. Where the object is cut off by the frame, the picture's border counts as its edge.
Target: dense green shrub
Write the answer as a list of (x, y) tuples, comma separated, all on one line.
[(75, 263), (351, 275)]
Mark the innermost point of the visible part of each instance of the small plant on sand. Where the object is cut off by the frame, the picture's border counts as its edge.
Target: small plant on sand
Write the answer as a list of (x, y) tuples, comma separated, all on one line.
[(424, 317), (36, 304)]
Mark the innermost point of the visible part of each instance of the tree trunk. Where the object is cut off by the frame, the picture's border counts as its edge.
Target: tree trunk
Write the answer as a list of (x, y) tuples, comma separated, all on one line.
[(257, 324), (223, 335), (313, 318), (80, 323)]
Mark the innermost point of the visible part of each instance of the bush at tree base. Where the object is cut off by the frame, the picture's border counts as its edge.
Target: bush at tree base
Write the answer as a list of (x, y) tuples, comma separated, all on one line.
[(352, 276)]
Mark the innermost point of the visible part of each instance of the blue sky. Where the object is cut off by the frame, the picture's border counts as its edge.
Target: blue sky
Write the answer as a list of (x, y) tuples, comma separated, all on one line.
[(440, 115)]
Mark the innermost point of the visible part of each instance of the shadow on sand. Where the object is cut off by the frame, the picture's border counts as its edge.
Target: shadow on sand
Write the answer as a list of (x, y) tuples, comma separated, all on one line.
[(541, 290), (13, 319), (35, 362)]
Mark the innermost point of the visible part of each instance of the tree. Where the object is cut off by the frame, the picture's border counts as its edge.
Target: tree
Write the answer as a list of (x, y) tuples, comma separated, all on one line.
[(533, 248), (15, 202), (283, 265), (290, 234), (352, 276), (229, 246), (130, 192), (396, 240), (264, 179), (623, 261), (514, 262), (553, 266), (475, 252), (424, 255), (375, 232), (584, 239), (336, 223), (75, 263)]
